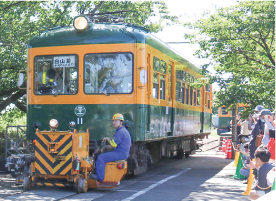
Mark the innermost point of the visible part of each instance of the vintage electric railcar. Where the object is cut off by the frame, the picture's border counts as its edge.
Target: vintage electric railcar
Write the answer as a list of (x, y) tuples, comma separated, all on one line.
[(222, 120), (83, 74)]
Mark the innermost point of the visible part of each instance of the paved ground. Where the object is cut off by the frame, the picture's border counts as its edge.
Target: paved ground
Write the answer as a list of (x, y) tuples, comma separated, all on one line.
[(203, 176), (221, 186)]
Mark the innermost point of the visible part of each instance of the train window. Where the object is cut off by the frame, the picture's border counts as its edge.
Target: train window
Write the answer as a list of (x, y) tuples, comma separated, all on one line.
[(187, 77), (56, 74), (162, 87), (240, 109), (209, 102), (178, 73), (183, 93), (187, 94), (183, 76), (194, 97), (178, 91), (108, 73), (163, 67), (198, 96), (156, 64), (192, 79), (170, 81), (191, 95), (155, 88), (224, 111), (208, 87)]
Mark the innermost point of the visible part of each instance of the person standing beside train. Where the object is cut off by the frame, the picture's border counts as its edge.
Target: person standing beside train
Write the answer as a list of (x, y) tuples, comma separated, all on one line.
[(271, 143), (266, 115), (121, 144), (259, 126)]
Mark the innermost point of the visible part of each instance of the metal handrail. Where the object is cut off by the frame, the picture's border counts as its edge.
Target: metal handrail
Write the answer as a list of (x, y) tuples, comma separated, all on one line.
[(18, 143)]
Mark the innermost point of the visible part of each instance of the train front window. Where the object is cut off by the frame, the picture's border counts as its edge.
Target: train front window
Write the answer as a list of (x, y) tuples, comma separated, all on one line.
[(56, 74), (108, 73)]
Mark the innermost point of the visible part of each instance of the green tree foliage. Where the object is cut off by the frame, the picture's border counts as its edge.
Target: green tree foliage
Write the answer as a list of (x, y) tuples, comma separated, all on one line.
[(21, 20), (11, 117), (240, 42)]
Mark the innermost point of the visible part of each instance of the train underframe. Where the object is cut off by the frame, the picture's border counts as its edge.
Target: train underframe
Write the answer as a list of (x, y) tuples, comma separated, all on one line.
[(142, 154)]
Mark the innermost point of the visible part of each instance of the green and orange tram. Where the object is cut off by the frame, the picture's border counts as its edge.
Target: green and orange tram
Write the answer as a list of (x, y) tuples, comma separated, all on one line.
[(83, 74)]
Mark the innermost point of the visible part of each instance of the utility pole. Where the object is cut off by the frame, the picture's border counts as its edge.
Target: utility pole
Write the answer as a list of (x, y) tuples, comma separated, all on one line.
[(234, 130)]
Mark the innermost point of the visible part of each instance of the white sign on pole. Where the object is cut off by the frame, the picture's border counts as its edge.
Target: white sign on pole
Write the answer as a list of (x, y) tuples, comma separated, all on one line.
[(64, 61)]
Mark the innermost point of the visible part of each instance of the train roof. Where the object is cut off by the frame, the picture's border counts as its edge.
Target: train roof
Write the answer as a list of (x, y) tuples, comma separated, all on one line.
[(106, 33)]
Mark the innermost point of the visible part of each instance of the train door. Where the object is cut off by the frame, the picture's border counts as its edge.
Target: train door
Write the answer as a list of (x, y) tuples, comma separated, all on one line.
[(148, 115), (170, 97)]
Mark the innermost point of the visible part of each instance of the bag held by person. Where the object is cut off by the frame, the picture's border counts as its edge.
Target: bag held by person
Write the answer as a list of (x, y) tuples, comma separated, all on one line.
[(259, 138)]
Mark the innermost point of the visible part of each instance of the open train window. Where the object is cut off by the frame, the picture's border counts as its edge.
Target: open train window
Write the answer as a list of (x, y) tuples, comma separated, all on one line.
[(56, 74), (108, 73)]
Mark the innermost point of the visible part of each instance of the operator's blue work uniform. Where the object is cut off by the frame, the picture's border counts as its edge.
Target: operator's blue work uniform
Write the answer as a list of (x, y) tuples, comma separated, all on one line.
[(121, 152)]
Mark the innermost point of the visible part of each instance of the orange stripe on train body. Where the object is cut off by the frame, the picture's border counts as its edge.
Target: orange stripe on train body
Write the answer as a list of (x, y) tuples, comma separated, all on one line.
[(139, 90)]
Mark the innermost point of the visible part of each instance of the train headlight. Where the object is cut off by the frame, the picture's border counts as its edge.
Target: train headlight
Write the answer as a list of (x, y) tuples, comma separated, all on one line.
[(53, 123), (81, 23), (72, 125)]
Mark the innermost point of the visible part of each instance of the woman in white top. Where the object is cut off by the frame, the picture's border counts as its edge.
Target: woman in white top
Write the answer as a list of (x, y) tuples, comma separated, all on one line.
[(244, 128)]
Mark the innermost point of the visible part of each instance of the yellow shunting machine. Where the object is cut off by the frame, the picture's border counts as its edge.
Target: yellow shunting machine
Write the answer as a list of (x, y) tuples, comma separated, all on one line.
[(62, 159)]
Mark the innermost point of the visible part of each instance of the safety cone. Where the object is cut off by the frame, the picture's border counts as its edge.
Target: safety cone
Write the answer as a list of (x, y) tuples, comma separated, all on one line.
[(237, 155), (229, 149), (239, 166), (226, 145), (249, 182), (223, 147), (273, 186)]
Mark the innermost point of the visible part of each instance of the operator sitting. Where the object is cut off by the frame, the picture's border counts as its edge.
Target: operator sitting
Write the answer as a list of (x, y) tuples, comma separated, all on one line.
[(121, 145)]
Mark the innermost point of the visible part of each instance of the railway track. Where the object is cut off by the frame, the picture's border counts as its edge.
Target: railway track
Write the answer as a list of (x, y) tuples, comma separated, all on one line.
[(9, 190), (207, 144)]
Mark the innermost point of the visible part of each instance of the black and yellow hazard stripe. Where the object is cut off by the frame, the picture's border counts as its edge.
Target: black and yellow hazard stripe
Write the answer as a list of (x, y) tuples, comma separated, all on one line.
[(46, 162), (54, 184)]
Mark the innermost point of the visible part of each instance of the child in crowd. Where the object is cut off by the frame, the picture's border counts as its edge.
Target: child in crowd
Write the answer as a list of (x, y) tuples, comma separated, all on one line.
[(260, 170), (246, 159)]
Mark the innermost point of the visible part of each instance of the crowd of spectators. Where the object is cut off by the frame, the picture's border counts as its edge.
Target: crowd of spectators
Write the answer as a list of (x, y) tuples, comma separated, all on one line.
[(256, 136)]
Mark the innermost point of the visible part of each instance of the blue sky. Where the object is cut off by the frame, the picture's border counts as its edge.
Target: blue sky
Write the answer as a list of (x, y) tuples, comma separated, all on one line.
[(189, 11)]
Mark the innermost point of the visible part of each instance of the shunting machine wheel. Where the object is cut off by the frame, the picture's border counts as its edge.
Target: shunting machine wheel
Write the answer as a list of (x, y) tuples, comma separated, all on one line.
[(27, 183), (82, 185)]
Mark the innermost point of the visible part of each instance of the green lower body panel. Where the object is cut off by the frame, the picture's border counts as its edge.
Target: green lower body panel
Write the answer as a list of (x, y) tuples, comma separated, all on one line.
[(144, 122)]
